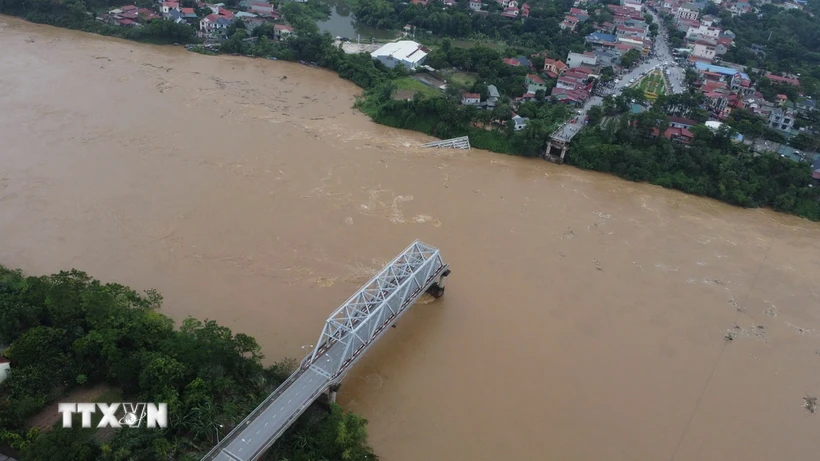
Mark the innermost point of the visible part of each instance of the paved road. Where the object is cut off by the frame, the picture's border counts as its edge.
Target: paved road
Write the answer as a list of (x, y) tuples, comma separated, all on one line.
[(248, 443)]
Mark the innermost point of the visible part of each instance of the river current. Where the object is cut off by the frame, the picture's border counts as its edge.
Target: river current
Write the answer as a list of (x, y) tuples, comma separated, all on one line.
[(586, 317)]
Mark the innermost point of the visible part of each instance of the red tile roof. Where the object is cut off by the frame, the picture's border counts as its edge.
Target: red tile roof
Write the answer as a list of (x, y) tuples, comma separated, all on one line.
[(187, 11), (682, 121), (472, 95), (779, 79), (535, 79), (4, 360), (511, 62)]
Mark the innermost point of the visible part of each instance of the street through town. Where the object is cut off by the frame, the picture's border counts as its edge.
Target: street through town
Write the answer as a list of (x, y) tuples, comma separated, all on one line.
[(661, 56)]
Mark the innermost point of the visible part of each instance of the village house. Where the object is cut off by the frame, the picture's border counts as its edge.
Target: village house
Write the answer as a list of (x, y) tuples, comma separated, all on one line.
[(569, 23), (554, 67), (471, 99), (687, 11), (166, 7), (632, 4), (578, 59), (519, 122), (492, 96), (741, 7), (5, 368), (510, 13), (783, 80), (703, 51), (781, 119), (475, 5), (213, 23), (283, 31), (681, 135), (535, 83), (260, 8), (680, 122)]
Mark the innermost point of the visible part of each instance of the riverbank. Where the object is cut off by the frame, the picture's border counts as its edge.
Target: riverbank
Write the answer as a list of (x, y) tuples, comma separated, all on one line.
[(445, 117)]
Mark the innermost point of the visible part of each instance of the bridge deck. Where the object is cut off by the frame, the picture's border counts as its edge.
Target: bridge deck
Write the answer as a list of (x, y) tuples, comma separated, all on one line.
[(349, 331), (270, 422)]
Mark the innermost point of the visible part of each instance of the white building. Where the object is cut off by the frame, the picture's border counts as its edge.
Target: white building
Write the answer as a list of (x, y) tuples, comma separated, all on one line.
[(687, 11), (703, 31), (471, 99), (704, 52), (519, 122), (634, 4), (5, 368), (577, 60), (405, 52)]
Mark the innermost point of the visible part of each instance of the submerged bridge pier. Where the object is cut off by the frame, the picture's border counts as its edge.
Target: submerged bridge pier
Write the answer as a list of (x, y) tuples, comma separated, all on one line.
[(347, 334)]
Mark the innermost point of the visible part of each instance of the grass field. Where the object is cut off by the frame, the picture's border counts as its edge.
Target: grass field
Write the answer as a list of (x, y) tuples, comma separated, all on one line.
[(462, 78), (415, 86)]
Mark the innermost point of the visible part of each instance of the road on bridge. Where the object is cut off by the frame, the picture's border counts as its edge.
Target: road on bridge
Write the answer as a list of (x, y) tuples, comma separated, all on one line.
[(251, 440)]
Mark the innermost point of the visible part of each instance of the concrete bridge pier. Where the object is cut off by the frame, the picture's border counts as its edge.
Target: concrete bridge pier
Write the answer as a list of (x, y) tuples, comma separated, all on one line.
[(437, 288), (331, 392), (557, 144)]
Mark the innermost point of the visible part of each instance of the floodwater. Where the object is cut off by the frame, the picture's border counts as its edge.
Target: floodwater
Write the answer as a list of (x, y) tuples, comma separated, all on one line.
[(586, 317), (342, 23)]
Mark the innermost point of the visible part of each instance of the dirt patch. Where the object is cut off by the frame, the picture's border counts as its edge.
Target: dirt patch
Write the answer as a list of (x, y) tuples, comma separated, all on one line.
[(46, 418), (403, 95)]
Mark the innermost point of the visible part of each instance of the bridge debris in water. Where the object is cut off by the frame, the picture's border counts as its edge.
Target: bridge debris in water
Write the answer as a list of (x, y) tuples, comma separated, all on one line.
[(454, 143)]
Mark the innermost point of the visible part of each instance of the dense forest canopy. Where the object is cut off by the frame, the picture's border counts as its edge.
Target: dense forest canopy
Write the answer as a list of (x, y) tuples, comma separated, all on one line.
[(68, 331)]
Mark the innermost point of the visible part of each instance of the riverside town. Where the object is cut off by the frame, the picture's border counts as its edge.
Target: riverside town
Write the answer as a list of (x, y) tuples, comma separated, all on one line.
[(619, 198)]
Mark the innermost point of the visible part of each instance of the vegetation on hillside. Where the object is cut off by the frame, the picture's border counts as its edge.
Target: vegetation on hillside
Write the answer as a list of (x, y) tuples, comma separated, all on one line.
[(68, 331)]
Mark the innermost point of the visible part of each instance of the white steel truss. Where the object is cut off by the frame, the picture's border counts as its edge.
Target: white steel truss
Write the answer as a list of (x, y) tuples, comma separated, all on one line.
[(361, 319)]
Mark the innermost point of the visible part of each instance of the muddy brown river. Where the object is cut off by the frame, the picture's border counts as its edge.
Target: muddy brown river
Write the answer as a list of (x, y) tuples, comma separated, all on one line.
[(586, 317)]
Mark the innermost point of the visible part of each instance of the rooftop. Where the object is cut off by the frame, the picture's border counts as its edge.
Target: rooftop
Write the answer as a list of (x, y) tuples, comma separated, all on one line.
[(404, 50)]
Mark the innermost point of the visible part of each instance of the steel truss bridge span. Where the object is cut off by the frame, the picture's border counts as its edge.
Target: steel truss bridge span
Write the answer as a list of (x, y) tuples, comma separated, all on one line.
[(347, 334)]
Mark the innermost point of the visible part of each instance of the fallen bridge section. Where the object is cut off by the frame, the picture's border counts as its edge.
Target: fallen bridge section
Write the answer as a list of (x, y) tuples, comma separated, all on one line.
[(347, 334), (454, 143)]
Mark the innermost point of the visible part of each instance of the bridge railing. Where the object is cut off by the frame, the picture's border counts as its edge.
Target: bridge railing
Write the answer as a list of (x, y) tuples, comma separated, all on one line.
[(296, 414), (359, 321), (254, 414)]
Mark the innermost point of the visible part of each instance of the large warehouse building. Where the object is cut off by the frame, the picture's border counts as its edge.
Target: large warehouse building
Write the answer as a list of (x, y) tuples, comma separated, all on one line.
[(405, 52)]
